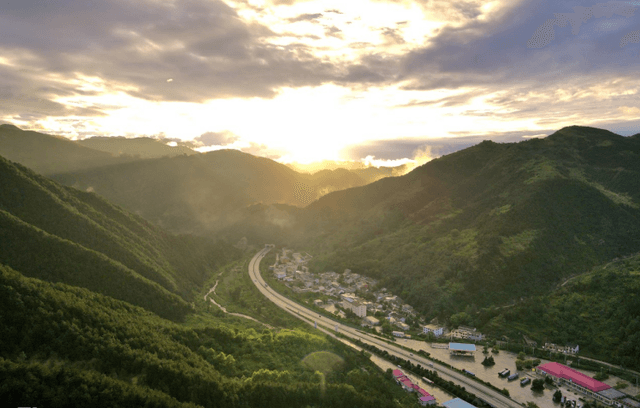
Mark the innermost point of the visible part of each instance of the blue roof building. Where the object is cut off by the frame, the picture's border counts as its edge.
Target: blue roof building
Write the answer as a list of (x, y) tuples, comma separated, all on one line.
[(462, 349), (457, 403)]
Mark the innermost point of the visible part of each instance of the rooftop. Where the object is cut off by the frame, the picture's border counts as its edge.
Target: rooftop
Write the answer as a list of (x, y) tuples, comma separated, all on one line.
[(457, 403), (462, 347), (568, 373)]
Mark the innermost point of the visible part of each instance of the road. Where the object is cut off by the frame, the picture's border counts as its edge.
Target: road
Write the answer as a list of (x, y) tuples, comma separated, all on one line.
[(491, 396)]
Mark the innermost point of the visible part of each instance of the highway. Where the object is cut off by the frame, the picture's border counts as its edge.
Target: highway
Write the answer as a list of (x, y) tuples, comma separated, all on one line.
[(487, 394)]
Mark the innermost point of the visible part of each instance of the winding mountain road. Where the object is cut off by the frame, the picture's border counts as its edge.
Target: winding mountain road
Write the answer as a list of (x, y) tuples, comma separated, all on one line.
[(485, 393)]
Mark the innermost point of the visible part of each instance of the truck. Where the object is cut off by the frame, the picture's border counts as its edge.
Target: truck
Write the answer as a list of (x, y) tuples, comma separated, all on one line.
[(504, 373), (525, 381), (513, 377), (464, 370)]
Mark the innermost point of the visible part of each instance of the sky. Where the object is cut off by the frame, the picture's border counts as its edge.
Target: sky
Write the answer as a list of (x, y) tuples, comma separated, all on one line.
[(383, 81)]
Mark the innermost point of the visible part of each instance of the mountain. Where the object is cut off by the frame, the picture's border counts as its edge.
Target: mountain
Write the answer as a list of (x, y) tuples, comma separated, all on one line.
[(598, 310), (99, 308), (366, 172), (139, 147), (60, 234), (205, 193), (48, 154), (488, 224)]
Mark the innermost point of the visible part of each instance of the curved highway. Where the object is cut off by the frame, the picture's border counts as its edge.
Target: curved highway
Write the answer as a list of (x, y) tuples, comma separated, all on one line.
[(487, 394)]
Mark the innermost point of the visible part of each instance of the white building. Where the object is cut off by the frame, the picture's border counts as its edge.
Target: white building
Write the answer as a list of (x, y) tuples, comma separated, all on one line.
[(356, 307), (432, 328)]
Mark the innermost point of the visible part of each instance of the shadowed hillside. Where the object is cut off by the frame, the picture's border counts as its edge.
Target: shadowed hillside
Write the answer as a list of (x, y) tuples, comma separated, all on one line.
[(139, 147), (47, 154), (60, 234), (205, 193)]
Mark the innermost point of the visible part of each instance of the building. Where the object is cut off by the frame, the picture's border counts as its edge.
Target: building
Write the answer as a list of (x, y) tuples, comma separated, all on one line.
[(462, 349), (398, 333), (432, 328), (318, 302), (425, 398), (578, 381), (457, 403), (371, 321), (356, 307), (403, 326)]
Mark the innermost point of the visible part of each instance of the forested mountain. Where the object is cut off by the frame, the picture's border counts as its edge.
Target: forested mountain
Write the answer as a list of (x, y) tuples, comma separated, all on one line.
[(98, 308), (60, 234), (68, 346), (138, 147), (598, 310), (488, 224), (48, 154), (206, 192)]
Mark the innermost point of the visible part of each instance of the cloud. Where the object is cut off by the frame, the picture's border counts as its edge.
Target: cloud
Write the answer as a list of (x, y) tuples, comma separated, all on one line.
[(305, 17), (262, 150), (217, 138), (545, 33), (632, 37), (193, 51)]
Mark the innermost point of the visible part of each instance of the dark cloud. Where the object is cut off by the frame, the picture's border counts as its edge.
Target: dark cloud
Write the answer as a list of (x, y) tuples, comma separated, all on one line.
[(203, 46), (305, 17), (494, 52), (217, 138), (333, 31)]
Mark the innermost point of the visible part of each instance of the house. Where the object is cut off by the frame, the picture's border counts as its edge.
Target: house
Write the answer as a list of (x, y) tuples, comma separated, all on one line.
[(371, 321), (318, 302), (427, 400), (432, 328), (403, 326)]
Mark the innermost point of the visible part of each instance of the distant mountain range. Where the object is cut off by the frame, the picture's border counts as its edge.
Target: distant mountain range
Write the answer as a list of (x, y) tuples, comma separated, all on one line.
[(176, 187)]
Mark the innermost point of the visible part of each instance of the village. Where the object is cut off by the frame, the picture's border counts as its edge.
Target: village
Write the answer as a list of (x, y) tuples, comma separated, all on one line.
[(348, 292)]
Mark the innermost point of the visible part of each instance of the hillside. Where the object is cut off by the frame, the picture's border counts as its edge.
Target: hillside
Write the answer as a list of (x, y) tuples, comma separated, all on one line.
[(205, 193), (68, 346), (598, 310), (138, 147), (488, 224), (48, 154), (60, 234)]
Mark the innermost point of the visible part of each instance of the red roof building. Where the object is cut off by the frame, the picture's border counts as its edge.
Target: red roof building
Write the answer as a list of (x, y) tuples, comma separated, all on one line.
[(570, 375)]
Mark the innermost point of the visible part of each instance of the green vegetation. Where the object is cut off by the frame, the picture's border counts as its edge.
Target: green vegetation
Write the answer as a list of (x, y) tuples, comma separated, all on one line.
[(58, 341), (323, 361), (50, 154), (60, 234), (488, 361), (599, 310), (498, 225), (537, 384)]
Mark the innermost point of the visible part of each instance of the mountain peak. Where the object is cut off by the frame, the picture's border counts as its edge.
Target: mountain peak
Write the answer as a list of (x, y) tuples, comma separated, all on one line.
[(7, 126)]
